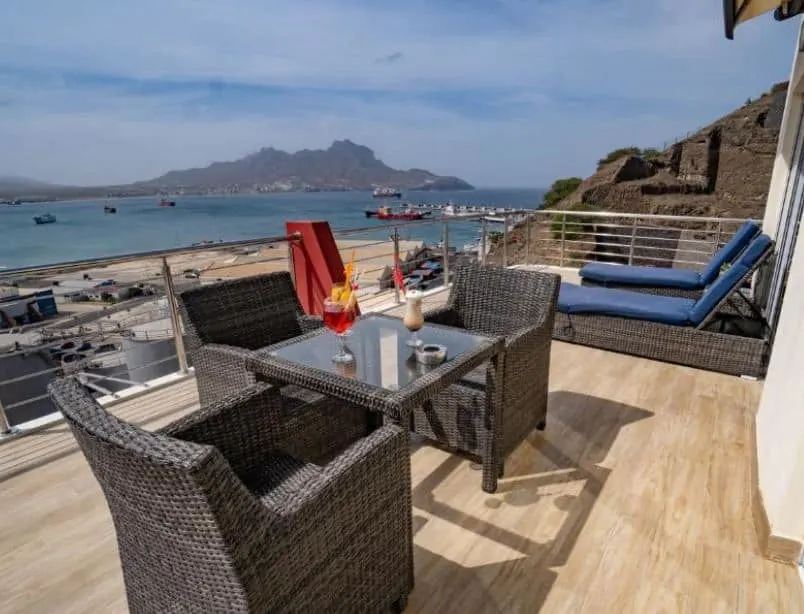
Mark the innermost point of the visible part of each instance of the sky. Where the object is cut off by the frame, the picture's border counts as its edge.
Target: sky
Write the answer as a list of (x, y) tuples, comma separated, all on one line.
[(497, 92)]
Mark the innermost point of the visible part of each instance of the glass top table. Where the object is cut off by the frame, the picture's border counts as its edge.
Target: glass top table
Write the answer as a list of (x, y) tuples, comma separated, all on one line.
[(384, 375), (381, 354)]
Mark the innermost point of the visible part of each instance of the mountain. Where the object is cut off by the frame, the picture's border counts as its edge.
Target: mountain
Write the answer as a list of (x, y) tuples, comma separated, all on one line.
[(343, 166), (8, 182)]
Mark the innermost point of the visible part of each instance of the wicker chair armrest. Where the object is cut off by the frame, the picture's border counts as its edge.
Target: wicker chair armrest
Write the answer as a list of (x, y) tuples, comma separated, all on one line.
[(241, 426), (370, 460), (365, 488), (219, 373), (445, 316), (528, 339), (310, 323)]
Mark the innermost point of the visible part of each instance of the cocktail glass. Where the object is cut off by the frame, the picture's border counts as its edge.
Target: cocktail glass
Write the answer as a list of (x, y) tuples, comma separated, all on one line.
[(414, 319), (339, 316)]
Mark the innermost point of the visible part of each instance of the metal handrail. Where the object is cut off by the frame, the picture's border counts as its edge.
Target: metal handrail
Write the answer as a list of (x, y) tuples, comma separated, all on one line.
[(552, 230), (154, 254), (650, 216)]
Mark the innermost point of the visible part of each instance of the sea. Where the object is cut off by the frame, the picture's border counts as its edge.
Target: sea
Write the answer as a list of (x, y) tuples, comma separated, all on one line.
[(83, 230)]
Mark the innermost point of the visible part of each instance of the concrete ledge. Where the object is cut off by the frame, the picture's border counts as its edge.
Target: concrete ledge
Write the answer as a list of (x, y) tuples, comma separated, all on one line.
[(147, 387)]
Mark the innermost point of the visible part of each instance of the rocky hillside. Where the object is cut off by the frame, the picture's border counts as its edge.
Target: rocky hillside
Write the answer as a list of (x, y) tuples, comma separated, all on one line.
[(344, 165), (723, 170)]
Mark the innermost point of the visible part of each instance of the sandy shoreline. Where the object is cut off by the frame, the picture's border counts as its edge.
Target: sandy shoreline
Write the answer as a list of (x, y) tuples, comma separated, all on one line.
[(218, 264)]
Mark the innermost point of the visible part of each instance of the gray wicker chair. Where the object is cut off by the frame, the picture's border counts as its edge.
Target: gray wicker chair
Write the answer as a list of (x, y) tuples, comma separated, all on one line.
[(250, 313), (520, 305), (246, 506)]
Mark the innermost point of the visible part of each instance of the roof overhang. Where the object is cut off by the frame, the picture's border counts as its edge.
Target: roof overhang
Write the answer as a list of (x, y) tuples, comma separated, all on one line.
[(736, 12)]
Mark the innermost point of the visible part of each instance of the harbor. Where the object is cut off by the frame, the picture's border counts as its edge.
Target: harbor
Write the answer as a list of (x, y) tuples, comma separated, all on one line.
[(85, 231)]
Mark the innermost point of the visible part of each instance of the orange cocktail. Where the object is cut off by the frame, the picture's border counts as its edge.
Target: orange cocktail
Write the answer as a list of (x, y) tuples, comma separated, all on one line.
[(340, 308), (338, 317)]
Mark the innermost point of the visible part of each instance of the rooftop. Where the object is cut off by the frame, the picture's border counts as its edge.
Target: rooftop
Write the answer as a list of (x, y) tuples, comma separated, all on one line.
[(637, 498)]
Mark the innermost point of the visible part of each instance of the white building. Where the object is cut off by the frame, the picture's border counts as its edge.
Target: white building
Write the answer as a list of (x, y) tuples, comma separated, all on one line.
[(780, 417)]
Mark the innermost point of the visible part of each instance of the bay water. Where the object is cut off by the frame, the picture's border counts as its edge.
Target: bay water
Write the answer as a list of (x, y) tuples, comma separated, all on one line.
[(83, 230)]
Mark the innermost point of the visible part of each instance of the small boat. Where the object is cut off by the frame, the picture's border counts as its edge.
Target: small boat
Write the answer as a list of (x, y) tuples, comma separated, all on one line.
[(452, 211), (167, 203), (385, 213), (387, 193), (107, 208), (47, 218)]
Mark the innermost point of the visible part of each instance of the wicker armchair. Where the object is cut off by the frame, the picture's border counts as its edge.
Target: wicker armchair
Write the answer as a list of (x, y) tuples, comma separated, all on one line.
[(520, 305), (251, 313), (245, 506)]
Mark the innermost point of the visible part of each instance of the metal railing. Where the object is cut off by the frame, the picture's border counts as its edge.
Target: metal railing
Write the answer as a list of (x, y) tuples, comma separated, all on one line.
[(117, 330), (573, 238), (111, 340)]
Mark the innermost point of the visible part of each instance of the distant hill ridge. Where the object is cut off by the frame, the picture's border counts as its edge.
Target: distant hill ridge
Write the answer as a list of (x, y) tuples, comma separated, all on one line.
[(343, 166), (12, 182)]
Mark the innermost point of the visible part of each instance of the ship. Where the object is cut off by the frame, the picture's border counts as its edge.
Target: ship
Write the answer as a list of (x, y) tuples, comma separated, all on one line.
[(382, 192), (107, 208), (47, 218), (167, 203), (459, 211), (385, 213)]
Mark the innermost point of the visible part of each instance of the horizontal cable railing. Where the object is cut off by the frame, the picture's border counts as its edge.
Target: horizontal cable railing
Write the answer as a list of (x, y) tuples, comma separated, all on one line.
[(116, 318), (109, 321)]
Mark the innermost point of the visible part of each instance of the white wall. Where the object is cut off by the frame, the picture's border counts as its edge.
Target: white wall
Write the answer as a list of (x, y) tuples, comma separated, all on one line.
[(780, 418), (786, 145)]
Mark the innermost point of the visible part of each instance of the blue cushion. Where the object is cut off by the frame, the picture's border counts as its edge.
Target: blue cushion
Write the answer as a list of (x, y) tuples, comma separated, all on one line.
[(641, 276), (728, 280), (622, 303), (729, 252), (672, 278)]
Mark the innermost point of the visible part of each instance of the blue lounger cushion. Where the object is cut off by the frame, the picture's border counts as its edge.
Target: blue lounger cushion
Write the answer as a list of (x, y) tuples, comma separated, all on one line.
[(574, 299), (729, 253), (683, 279), (729, 280), (641, 276)]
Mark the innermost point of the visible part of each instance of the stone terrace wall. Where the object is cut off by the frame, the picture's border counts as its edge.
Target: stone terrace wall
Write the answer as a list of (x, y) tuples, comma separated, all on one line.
[(694, 163)]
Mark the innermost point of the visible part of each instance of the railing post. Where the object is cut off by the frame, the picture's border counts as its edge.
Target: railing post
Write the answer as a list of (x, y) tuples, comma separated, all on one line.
[(175, 319), (6, 430), (290, 261), (527, 239), (483, 236), (395, 239), (718, 233), (505, 239), (445, 253), (563, 238), (633, 241)]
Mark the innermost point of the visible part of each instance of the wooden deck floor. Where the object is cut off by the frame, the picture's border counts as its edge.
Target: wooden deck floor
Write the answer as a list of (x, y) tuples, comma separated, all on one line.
[(637, 498)]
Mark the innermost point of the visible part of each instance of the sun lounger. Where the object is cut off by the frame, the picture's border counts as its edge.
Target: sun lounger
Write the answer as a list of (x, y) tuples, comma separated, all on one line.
[(669, 281), (672, 329)]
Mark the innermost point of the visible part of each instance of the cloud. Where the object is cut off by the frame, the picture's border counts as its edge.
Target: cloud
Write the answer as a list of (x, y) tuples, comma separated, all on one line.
[(391, 58), (500, 92)]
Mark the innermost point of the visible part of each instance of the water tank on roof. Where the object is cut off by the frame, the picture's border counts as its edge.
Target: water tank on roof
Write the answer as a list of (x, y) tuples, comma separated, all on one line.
[(147, 360)]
